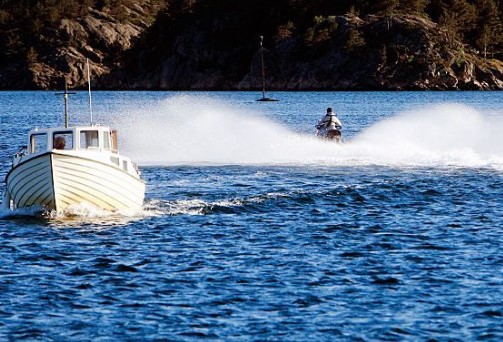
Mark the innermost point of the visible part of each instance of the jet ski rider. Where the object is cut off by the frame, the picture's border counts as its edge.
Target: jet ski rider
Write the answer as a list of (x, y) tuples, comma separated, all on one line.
[(326, 119)]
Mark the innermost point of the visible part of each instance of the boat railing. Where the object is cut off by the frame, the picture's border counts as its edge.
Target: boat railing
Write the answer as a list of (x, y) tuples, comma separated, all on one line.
[(18, 156), (136, 167), (23, 150)]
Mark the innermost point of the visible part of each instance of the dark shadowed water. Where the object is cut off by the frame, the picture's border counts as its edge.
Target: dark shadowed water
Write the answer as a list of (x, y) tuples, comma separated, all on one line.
[(254, 230)]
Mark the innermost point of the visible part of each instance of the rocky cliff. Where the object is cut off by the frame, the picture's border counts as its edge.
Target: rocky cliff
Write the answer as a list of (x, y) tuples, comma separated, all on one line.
[(340, 52), (402, 52), (61, 51)]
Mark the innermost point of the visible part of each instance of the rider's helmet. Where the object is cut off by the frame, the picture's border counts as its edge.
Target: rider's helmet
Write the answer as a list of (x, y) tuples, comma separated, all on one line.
[(329, 111)]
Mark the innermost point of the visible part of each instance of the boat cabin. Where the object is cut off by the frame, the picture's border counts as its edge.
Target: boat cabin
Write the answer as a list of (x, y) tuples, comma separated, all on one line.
[(73, 138), (78, 141)]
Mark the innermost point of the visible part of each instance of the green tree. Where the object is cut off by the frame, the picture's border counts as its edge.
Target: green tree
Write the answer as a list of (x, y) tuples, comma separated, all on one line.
[(31, 56), (386, 7), (490, 30), (178, 7), (413, 6), (458, 17), (354, 41)]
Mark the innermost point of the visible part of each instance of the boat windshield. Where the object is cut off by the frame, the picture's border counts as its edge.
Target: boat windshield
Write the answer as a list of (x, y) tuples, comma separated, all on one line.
[(38, 142), (89, 139), (62, 140), (106, 140)]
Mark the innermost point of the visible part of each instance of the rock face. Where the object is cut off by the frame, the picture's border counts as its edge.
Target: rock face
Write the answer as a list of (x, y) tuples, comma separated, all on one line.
[(98, 37), (347, 52), (339, 53)]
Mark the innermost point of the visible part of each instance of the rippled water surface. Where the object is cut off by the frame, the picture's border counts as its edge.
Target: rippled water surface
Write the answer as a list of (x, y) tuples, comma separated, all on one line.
[(254, 230)]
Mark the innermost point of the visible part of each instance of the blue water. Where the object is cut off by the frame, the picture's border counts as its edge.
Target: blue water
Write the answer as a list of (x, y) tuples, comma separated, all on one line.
[(254, 230)]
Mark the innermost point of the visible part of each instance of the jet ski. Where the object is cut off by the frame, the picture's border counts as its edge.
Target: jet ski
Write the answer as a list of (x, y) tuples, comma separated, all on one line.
[(330, 131)]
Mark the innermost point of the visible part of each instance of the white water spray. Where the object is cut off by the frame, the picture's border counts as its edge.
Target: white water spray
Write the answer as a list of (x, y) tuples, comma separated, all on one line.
[(191, 130), (441, 135)]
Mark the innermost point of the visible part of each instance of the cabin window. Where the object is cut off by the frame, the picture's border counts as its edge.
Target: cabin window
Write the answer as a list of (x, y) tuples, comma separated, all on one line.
[(124, 165), (115, 160), (106, 140), (113, 135), (38, 142), (89, 139), (62, 141)]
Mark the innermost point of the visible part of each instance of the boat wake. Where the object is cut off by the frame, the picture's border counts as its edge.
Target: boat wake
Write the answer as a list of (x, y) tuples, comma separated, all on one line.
[(213, 133), (33, 211), (185, 207), (236, 205), (77, 212)]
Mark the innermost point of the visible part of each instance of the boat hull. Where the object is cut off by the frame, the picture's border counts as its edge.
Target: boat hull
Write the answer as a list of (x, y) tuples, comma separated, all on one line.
[(57, 181)]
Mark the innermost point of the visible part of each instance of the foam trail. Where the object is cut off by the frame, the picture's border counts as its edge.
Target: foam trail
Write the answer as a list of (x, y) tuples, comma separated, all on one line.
[(190, 130), (441, 135)]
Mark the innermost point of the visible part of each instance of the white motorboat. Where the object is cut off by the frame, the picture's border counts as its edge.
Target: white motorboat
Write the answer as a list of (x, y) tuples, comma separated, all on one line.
[(65, 166)]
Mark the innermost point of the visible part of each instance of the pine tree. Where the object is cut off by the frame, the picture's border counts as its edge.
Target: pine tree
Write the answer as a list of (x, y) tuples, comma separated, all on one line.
[(490, 29), (386, 7), (413, 6), (31, 56), (354, 40), (458, 17), (178, 7)]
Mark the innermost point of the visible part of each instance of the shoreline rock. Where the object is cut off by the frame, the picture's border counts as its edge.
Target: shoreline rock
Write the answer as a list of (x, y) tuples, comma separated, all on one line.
[(401, 52)]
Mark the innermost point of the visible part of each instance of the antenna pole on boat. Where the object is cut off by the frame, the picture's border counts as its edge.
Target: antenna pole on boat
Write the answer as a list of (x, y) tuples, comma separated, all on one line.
[(89, 86), (65, 95), (263, 67)]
